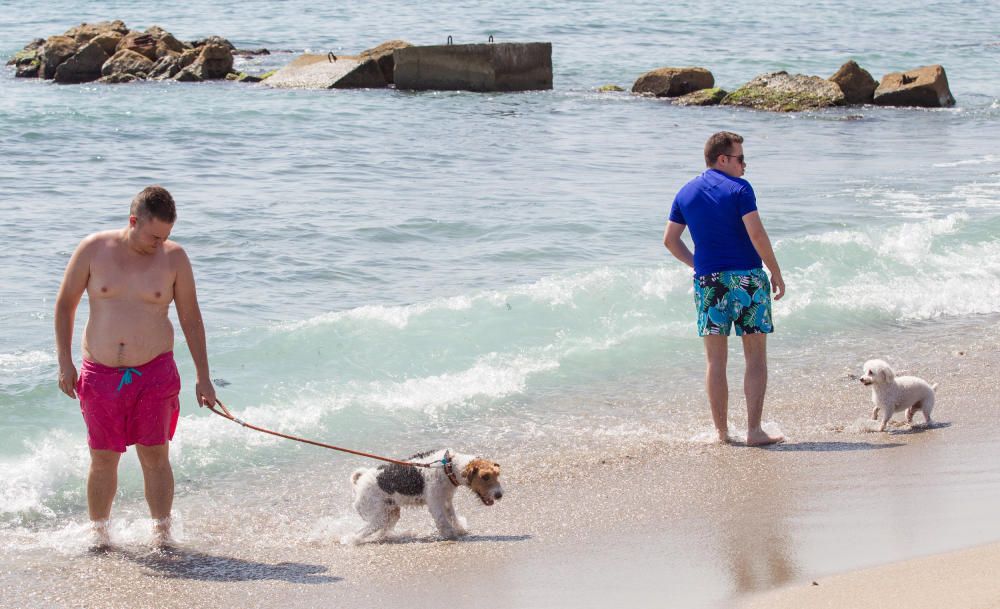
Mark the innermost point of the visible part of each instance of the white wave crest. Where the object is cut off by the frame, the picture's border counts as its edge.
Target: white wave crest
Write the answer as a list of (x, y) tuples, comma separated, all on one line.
[(913, 280), (23, 361), (989, 158), (28, 481), (395, 316), (492, 376), (911, 243), (554, 291)]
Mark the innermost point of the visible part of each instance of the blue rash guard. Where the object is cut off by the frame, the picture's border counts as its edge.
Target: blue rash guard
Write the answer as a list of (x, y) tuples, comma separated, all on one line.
[(712, 206)]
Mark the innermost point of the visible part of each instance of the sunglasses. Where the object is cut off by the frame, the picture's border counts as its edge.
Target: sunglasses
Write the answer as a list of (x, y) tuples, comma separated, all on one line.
[(739, 157)]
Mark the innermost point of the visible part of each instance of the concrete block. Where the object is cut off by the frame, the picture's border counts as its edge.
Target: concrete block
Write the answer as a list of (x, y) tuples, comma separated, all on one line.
[(507, 66), (324, 72)]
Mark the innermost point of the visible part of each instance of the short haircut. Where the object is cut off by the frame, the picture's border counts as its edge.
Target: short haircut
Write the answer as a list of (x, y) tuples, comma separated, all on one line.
[(154, 202), (720, 143)]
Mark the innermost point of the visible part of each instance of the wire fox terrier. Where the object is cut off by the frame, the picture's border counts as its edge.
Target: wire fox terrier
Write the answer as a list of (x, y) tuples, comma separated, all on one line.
[(380, 491)]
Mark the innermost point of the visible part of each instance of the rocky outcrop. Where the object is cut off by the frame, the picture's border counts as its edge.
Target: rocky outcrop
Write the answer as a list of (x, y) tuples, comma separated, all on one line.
[(214, 62), (127, 62), (85, 32), (84, 66), (118, 78), (141, 43), (109, 41), (29, 69), (170, 65), (784, 92), (925, 87), (702, 97), (168, 45), (213, 40), (56, 50), (673, 82), (855, 82), (112, 53), (27, 62)]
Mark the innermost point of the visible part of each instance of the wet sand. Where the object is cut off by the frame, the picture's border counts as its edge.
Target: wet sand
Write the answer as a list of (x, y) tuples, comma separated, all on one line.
[(590, 521), (967, 579)]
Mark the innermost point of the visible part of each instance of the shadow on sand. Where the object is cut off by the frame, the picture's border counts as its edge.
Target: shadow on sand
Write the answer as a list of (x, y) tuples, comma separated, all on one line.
[(919, 428), (831, 447), (178, 563), (466, 539)]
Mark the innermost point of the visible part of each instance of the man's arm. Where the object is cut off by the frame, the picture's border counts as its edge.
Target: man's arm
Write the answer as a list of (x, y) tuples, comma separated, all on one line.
[(672, 240), (762, 243), (70, 292), (189, 314)]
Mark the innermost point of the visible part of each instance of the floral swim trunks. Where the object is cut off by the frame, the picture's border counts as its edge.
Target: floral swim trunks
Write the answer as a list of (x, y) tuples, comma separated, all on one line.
[(726, 298)]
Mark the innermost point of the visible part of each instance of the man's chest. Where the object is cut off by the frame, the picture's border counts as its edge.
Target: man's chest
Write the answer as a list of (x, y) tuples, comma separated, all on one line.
[(150, 281)]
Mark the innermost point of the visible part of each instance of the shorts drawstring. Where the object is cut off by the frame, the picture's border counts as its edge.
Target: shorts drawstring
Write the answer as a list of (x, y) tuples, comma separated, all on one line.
[(127, 377)]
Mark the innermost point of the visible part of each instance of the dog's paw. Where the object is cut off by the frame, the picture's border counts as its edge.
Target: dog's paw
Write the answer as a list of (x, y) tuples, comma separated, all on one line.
[(452, 534)]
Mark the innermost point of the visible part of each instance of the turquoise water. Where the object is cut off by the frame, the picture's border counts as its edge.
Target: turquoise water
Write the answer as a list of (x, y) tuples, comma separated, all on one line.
[(394, 271)]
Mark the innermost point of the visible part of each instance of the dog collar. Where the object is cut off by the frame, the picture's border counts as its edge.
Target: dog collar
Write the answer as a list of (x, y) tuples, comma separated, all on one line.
[(449, 469)]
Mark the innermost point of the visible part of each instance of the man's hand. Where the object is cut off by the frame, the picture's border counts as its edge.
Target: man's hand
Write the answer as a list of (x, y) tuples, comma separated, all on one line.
[(204, 393), (777, 285), (67, 379)]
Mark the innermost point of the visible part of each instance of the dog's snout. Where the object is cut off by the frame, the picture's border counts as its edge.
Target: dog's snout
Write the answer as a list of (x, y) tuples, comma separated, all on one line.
[(498, 495)]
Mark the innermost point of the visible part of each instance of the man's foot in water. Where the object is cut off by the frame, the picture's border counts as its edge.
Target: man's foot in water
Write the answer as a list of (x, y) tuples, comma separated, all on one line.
[(100, 536), (759, 437), (161, 533)]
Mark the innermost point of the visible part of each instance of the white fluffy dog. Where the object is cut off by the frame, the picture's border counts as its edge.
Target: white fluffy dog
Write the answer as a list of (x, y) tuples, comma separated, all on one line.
[(380, 491), (892, 394)]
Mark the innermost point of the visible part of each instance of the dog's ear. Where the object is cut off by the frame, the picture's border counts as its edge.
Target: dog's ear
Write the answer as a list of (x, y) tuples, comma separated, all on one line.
[(471, 471)]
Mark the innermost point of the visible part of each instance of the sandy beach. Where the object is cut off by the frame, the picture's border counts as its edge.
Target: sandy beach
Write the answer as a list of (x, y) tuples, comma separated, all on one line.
[(967, 578), (610, 519)]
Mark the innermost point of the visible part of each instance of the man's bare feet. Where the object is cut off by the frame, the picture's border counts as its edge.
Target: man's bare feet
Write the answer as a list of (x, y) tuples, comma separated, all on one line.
[(759, 437), (725, 438), (161, 532), (100, 535)]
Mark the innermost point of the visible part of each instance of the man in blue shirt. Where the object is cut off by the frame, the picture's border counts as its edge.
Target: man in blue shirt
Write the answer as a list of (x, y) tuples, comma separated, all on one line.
[(730, 285)]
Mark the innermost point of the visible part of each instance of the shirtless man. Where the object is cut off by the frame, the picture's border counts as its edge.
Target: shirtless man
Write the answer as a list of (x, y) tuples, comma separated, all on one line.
[(128, 383)]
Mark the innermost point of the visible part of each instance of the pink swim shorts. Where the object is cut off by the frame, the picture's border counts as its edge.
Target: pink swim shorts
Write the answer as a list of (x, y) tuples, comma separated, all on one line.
[(126, 406)]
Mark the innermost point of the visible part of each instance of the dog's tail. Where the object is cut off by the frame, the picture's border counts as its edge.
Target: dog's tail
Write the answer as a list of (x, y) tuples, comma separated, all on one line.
[(934, 387), (357, 474)]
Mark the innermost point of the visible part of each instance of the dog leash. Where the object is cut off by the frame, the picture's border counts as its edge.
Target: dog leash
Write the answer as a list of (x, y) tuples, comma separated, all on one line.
[(445, 462)]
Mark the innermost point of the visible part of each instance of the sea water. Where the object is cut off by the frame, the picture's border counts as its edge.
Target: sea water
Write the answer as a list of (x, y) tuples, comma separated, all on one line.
[(392, 271)]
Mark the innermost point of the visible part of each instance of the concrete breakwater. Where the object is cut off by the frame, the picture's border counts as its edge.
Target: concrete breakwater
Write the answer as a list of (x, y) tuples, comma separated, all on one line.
[(109, 52), (510, 66)]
